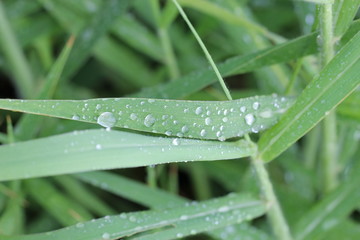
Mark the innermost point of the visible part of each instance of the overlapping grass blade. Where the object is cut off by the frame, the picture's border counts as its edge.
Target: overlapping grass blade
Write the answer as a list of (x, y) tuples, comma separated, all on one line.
[(193, 119), (337, 80), (186, 220), (332, 210), (100, 149)]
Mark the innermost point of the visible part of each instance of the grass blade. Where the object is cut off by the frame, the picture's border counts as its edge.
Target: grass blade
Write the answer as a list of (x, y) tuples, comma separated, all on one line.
[(99, 149), (193, 119), (234, 208), (338, 79)]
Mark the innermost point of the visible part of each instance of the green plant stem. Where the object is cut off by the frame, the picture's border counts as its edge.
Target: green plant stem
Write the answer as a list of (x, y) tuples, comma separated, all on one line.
[(276, 217), (20, 69), (329, 124), (169, 56), (203, 47), (279, 225), (290, 86)]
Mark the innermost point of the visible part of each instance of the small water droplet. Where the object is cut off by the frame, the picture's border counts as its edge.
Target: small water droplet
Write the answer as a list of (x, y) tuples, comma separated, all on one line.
[(208, 121), (243, 109), (98, 106), (184, 129), (176, 142), (133, 116), (98, 146), (203, 133), (225, 119), (186, 110), (106, 236), (256, 105), (249, 119), (106, 119), (168, 133), (75, 117), (151, 100), (198, 110), (149, 120)]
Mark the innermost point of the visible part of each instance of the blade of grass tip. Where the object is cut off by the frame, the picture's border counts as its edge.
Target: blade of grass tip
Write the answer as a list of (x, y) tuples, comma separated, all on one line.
[(280, 227), (28, 125), (22, 76), (335, 82), (345, 15)]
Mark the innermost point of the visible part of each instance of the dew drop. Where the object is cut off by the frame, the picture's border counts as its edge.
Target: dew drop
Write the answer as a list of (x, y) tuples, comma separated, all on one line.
[(98, 146), (106, 119), (133, 116), (98, 106), (168, 133), (149, 120), (249, 119), (186, 110), (256, 105), (198, 110), (243, 109), (225, 119), (106, 236), (266, 114), (208, 121), (203, 133), (184, 129), (176, 142), (75, 117), (151, 100)]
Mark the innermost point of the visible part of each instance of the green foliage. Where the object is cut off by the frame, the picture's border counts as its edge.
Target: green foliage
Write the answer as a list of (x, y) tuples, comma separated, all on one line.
[(69, 68)]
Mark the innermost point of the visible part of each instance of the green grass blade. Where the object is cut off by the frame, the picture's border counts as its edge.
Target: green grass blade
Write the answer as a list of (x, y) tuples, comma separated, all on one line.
[(337, 80), (331, 210), (189, 219), (132, 190), (21, 72), (193, 119), (67, 212), (94, 30), (345, 15), (99, 149), (29, 124)]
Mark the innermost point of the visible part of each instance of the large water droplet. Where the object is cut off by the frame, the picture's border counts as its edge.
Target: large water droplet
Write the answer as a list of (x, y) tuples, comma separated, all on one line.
[(149, 120), (249, 119), (106, 119)]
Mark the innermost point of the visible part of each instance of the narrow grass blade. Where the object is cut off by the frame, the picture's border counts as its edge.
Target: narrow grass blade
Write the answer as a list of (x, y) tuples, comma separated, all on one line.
[(285, 52), (345, 15), (100, 149), (185, 220), (338, 79), (67, 212), (350, 108), (94, 30), (332, 210), (132, 190), (15, 57), (193, 119)]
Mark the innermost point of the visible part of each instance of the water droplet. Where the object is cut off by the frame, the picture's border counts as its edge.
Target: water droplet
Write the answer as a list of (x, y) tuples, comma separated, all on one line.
[(256, 105), (168, 133), (106, 236), (225, 119), (186, 110), (79, 225), (249, 119), (183, 217), (151, 100), (133, 116), (75, 117), (185, 129), (98, 106), (203, 133), (226, 112), (176, 142), (243, 109), (106, 119), (208, 121), (266, 114), (98, 146), (132, 218), (179, 235), (221, 138), (149, 120), (198, 110), (223, 209)]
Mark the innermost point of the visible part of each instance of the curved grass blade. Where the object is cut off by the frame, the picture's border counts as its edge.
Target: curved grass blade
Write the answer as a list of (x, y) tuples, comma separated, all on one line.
[(193, 119), (98, 149), (338, 79), (185, 220)]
